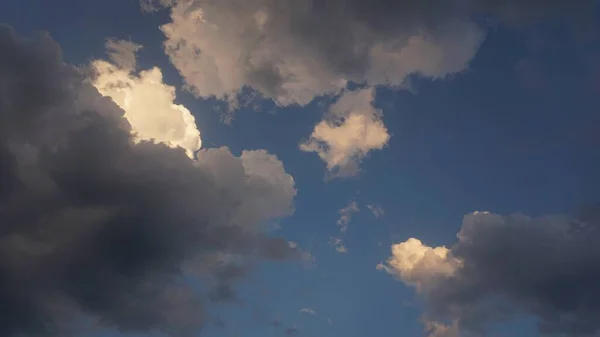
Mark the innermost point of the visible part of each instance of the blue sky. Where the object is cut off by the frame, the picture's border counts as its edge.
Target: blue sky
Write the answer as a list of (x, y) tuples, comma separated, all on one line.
[(512, 132)]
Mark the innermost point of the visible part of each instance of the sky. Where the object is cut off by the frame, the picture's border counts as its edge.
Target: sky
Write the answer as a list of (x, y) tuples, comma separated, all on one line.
[(242, 168)]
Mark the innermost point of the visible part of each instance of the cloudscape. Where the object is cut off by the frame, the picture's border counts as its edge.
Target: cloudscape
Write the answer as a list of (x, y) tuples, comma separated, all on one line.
[(233, 168)]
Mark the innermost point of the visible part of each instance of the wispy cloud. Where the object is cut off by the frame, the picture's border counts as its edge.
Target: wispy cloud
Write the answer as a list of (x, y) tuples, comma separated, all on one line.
[(308, 311), (377, 211), (346, 215), (307, 257)]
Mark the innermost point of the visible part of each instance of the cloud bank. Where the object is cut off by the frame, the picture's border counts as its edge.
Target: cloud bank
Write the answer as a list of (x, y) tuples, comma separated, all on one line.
[(97, 225), (501, 265)]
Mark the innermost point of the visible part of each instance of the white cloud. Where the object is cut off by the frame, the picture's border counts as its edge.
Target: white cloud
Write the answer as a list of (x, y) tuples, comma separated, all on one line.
[(338, 244), (148, 102), (308, 311), (346, 215), (348, 133), (418, 264)]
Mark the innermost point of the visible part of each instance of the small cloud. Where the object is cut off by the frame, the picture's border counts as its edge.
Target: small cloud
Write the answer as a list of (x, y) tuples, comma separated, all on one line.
[(338, 244), (308, 311), (306, 256), (383, 267), (346, 215), (352, 128), (376, 210), (329, 321)]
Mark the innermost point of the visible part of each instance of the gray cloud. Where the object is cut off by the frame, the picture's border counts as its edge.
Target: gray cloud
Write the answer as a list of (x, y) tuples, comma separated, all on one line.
[(294, 50), (94, 225), (122, 52), (501, 265)]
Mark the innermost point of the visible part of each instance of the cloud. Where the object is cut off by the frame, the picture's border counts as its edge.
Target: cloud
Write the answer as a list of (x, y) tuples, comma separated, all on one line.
[(544, 266), (122, 53), (352, 128), (338, 244), (99, 227), (306, 256), (294, 51), (308, 311), (436, 329), (346, 215), (148, 102), (376, 210)]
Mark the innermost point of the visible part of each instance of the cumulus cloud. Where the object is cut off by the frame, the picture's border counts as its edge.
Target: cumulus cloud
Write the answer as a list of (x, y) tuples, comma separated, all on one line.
[(98, 226), (352, 128), (147, 101), (545, 266), (294, 51)]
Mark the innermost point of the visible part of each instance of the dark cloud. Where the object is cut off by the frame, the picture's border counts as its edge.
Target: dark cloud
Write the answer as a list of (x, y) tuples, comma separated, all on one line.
[(223, 292), (502, 265), (94, 225)]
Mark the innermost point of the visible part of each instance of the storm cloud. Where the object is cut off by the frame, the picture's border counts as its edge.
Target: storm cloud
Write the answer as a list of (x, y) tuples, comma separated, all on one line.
[(98, 227), (546, 266)]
